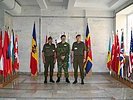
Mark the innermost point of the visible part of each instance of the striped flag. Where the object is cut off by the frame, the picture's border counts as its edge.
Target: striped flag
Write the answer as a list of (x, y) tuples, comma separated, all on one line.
[(130, 68), (109, 54), (12, 49), (88, 64), (122, 58), (34, 54)]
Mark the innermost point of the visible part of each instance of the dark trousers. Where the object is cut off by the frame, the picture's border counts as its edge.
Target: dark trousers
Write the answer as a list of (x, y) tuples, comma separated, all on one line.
[(78, 62), (49, 62)]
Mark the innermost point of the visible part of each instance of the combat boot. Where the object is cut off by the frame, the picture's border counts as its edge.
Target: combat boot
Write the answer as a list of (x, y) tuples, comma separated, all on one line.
[(75, 81), (67, 80), (45, 81), (51, 80), (82, 81), (58, 80)]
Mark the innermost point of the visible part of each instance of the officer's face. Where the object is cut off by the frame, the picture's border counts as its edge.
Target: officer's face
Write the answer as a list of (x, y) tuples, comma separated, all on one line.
[(78, 38), (63, 39), (50, 41)]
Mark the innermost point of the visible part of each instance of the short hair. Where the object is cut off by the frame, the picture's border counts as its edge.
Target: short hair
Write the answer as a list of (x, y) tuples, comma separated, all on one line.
[(50, 38), (78, 35), (63, 36)]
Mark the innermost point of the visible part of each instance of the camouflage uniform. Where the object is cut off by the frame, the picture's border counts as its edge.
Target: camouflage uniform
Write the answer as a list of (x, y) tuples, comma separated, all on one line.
[(49, 57), (63, 49), (78, 49)]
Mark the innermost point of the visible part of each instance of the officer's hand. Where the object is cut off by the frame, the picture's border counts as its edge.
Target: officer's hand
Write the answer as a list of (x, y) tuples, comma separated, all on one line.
[(62, 57), (71, 60), (54, 61), (44, 61), (84, 60)]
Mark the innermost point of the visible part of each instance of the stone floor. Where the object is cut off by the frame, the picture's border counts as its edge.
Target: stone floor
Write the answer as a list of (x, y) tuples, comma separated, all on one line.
[(98, 87)]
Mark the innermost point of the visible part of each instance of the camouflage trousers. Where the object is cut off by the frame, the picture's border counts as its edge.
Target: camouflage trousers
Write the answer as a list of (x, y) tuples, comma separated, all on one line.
[(49, 62), (78, 62), (64, 66)]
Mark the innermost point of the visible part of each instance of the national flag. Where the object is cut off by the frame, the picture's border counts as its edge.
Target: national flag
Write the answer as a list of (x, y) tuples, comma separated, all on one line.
[(109, 54), (16, 58), (88, 64), (9, 52), (12, 49), (130, 68), (122, 58), (1, 54), (115, 64), (5, 53), (34, 54)]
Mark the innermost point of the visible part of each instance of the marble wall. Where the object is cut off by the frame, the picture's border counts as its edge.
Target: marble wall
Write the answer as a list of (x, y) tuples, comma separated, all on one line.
[(1, 18), (70, 22)]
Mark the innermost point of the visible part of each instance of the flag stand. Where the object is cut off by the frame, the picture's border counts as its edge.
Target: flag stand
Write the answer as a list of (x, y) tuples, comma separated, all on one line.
[(122, 80), (7, 81)]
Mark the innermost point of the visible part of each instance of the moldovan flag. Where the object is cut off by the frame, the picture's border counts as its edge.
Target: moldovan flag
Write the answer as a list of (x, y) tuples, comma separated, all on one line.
[(88, 64), (34, 54), (1, 55), (16, 58)]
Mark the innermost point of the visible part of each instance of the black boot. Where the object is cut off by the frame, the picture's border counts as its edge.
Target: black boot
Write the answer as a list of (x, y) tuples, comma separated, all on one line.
[(82, 81), (51, 80), (67, 80), (45, 81), (58, 80), (75, 81)]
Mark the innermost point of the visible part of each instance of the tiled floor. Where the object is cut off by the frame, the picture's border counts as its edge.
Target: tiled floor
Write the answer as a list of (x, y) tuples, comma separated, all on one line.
[(98, 87)]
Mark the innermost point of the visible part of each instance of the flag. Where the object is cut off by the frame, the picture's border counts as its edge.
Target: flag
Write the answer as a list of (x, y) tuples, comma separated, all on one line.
[(12, 49), (109, 54), (115, 64), (34, 54), (5, 54), (130, 68), (16, 58), (9, 54), (1, 54), (88, 64), (122, 58)]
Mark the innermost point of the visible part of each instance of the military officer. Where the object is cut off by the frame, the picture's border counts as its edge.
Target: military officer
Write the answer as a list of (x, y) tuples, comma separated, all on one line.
[(78, 58), (49, 59), (63, 50)]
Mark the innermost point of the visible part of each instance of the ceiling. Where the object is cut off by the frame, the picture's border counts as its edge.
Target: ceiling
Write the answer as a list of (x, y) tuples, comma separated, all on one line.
[(27, 2), (75, 4)]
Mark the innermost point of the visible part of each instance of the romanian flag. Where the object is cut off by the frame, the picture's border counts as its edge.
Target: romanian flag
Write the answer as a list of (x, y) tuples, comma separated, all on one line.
[(109, 54), (88, 64), (34, 54)]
